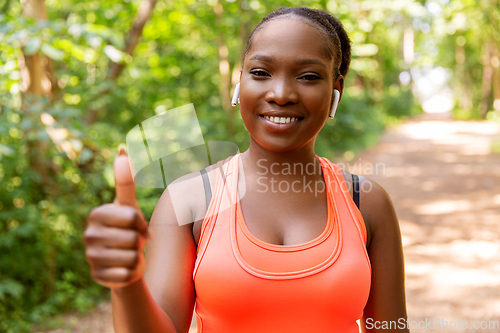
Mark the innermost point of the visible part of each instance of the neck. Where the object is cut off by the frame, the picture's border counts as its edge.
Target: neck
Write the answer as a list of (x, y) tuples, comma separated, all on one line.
[(257, 160)]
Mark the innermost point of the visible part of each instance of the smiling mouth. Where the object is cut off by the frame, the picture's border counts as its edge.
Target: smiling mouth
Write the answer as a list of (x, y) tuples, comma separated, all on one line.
[(281, 120)]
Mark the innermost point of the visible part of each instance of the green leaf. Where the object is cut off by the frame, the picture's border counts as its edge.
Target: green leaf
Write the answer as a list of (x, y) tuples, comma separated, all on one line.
[(68, 46), (26, 124), (106, 33), (32, 46), (5, 28), (364, 50), (6, 150), (52, 52), (109, 175), (10, 287), (86, 155), (114, 54)]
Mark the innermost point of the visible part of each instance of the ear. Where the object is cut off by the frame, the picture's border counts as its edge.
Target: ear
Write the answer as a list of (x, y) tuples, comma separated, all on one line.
[(339, 85)]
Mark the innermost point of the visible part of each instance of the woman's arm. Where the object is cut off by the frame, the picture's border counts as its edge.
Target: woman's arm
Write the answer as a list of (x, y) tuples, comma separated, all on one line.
[(170, 258), (385, 310), (163, 300), (115, 238), (135, 310)]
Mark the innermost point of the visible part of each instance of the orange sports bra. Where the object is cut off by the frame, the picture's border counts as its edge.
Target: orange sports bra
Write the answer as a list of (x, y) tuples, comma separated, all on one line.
[(246, 285)]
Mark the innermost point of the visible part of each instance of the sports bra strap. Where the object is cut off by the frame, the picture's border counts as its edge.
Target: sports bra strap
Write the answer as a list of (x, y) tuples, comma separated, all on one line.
[(355, 189), (206, 185)]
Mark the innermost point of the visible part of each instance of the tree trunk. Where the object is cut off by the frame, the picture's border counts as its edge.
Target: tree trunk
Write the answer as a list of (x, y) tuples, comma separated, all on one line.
[(143, 14), (465, 98), (495, 62), (487, 80), (38, 77), (33, 63), (224, 70), (34, 86)]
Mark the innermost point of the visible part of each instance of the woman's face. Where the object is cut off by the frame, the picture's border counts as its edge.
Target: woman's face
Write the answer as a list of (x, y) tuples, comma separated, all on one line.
[(286, 86)]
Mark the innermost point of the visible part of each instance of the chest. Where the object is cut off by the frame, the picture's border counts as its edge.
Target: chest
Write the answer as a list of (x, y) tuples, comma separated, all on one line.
[(284, 218), (281, 218)]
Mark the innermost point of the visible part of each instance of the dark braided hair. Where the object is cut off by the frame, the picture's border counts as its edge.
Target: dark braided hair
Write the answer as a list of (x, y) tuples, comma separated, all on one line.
[(339, 44)]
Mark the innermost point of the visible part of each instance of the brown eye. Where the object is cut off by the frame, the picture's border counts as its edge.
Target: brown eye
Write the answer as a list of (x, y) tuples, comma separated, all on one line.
[(310, 77), (259, 73)]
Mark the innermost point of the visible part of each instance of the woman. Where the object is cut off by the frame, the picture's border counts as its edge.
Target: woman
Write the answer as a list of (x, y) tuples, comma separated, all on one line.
[(261, 260)]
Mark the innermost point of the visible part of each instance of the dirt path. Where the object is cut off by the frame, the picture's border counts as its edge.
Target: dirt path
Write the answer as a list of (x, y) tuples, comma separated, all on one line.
[(445, 185)]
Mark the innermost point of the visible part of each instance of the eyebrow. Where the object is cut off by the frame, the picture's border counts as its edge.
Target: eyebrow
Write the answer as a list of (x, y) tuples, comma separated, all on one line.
[(299, 62)]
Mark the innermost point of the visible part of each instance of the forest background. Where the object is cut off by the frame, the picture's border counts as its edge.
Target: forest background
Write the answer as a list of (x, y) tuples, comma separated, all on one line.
[(76, 76)]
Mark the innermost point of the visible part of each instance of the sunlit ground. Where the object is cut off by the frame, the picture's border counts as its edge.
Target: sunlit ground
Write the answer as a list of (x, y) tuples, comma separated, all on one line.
[(445, 185)]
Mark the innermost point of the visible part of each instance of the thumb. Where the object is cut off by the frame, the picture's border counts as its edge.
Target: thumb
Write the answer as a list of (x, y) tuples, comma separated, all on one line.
[(125, 188), (124, 182)]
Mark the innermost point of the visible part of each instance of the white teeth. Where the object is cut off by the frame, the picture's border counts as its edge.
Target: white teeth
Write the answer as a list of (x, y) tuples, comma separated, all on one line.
[(281, 120)]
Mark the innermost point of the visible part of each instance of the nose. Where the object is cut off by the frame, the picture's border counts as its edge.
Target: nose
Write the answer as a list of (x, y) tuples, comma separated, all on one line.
[(282, 91)]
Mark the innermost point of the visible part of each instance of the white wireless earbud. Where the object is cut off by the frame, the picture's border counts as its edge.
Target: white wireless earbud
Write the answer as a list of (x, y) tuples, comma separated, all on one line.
[(336, 99), (235, 95)]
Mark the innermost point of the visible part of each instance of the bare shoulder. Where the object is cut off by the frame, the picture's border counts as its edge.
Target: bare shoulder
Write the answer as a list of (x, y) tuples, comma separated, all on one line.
[(186, 196), (375, 205), (376, 208)]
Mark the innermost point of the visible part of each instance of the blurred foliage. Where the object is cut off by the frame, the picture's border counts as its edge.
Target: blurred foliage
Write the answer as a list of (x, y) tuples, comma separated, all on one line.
[(57, 148), (464, 36)]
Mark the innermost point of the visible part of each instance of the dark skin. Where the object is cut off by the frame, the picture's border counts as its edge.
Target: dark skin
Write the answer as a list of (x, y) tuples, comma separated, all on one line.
[(285, 74)]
